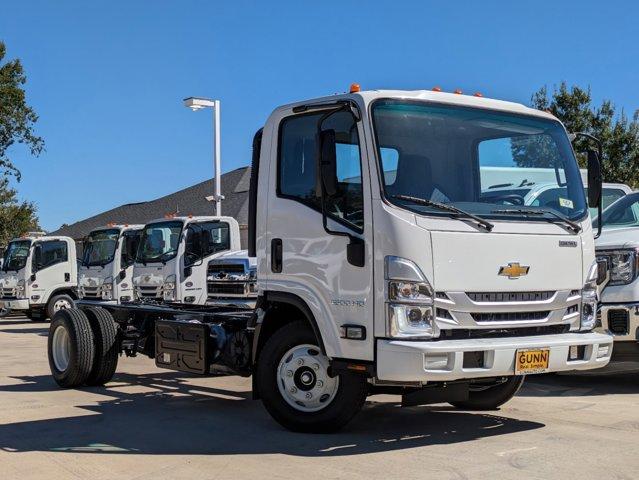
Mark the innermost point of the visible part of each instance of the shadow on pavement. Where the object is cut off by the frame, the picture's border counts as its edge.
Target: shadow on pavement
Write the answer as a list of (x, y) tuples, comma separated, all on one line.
[(6, 323), (180, 418), (580, 385)]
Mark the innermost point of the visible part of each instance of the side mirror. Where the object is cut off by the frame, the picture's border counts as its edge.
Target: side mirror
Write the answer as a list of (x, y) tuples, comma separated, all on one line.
[(122, 274), (33, 277), (328, 162), (594, 179)]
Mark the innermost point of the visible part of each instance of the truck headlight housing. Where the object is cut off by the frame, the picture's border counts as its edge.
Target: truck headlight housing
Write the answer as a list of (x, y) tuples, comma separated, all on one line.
[(20, 289), (410, 301), (622, 265), (168, 289), (107, 289), (589, 300)]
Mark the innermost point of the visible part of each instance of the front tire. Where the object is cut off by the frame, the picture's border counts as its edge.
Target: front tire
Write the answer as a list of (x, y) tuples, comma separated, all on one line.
[(70, 348), (490, 397), (296, 389), (57, 303)]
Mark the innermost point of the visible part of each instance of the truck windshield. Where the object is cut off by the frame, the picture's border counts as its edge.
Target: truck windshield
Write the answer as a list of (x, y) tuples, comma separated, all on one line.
[(488, 163), (159, 242), (100, 247), (15, 258)]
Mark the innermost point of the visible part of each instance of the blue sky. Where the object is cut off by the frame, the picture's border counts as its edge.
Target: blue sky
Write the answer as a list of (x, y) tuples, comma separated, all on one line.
[(107, 77)]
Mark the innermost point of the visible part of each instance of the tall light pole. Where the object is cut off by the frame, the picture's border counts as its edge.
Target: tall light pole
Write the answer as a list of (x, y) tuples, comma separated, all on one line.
[(197, 103)]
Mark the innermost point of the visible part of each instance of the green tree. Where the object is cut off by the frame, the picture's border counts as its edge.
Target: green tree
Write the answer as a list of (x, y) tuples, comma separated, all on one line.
[(16, 127), (16, 217), (16, 117), (618, 134)]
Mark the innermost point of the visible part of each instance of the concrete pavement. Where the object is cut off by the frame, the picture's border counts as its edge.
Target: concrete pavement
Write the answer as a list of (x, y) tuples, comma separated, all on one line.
[(154, 424)]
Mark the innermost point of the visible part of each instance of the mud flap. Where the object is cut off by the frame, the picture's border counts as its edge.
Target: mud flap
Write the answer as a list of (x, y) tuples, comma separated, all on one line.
[(182, 346), (441, 394)]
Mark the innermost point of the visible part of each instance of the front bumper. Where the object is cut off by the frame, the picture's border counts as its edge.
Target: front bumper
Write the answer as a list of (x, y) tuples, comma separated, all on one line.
[(22, 304), (248, 303), (424, 361)]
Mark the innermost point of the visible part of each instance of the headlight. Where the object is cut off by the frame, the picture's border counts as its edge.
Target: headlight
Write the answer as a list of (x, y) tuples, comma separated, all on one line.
[(589, 300), (622, 265), (168, 289), (410, 296), (20, 289), (107, 289)]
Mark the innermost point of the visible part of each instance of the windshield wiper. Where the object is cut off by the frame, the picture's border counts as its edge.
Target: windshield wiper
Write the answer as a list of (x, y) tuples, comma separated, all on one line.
[(572, 226), (458, 212)]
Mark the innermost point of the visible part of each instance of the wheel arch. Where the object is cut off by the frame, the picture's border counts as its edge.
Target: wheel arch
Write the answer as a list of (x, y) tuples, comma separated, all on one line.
[(279, 309)]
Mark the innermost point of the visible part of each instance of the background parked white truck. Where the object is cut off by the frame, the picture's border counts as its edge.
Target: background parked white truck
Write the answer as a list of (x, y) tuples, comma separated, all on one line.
[(39, 275), (106, 269)]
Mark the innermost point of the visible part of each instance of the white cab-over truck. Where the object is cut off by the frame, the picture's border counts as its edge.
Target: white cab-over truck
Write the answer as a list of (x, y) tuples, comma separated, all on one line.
[(381, 265), (232, 280), (172, 261), (106, 270), (617, 252), (39, 275)]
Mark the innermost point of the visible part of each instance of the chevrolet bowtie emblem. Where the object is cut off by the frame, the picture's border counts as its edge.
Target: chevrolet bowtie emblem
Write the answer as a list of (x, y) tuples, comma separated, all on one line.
[(513, 270)]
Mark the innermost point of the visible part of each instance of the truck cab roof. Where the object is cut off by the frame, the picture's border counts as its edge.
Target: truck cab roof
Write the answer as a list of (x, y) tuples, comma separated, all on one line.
[(458, 99)]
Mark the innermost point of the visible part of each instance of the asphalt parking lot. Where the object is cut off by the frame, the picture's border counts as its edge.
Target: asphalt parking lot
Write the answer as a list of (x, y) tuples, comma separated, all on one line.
[(150, 423)]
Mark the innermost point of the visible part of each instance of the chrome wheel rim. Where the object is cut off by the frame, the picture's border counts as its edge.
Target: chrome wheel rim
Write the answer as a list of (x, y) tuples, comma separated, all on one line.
[(61, 348), (61, 304), (303, 380)]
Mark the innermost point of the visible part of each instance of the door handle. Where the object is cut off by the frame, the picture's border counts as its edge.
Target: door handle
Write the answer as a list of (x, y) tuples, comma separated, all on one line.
[(276, 255), (67, 277)]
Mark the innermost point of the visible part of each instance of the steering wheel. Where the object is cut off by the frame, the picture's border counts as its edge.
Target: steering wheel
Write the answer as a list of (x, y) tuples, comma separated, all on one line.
[(510, 198)]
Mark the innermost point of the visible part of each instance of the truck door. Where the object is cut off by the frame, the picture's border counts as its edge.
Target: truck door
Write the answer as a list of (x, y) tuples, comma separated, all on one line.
[(51, 267), (305, 258), (203, 241)]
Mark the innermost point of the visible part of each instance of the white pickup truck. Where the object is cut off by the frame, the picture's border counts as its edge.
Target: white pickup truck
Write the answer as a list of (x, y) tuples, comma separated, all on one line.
[(232, 280), (39, 275), (106, 269), (171, 264), (618, 256), (382, 266)]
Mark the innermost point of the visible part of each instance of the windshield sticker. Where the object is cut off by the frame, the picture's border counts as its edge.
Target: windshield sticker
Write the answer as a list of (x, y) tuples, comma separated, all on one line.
[(564, 202)]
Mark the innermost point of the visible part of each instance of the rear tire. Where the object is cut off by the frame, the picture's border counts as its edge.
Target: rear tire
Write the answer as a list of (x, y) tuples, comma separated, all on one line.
[(278, 372), (490, 398), (105, 357), (57, 303), (70, 348)]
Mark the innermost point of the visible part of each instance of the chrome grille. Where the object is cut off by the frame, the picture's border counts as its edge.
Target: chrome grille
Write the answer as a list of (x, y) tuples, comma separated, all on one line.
[(227, 268), (91, 292), (148, 292), (226, 288), (8, 292), (509, 316), (494, 297)]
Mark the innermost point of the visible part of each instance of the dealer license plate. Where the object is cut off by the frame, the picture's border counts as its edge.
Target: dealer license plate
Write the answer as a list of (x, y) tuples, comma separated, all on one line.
[(531, 361)]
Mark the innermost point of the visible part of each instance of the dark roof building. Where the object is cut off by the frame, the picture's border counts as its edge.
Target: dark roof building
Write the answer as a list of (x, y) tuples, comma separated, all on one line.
[(190, 201)]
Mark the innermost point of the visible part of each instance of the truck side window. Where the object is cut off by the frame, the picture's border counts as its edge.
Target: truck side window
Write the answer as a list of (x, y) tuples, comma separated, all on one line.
[(297, 171), (204, 239), (131, 241), (47, 254)]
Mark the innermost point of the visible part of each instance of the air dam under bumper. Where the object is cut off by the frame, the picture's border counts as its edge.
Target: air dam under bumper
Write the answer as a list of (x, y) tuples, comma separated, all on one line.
[(412, 361)]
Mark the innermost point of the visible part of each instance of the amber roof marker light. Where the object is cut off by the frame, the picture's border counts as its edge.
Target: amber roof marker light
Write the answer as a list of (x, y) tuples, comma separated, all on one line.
[(458, 92), (354, 88), (437, 89)]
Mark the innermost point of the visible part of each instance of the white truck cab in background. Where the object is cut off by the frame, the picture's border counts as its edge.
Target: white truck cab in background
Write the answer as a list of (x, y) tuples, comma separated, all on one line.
[(39, 275), (618, 258), (106, 270), (232, 280), (172, 261)]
